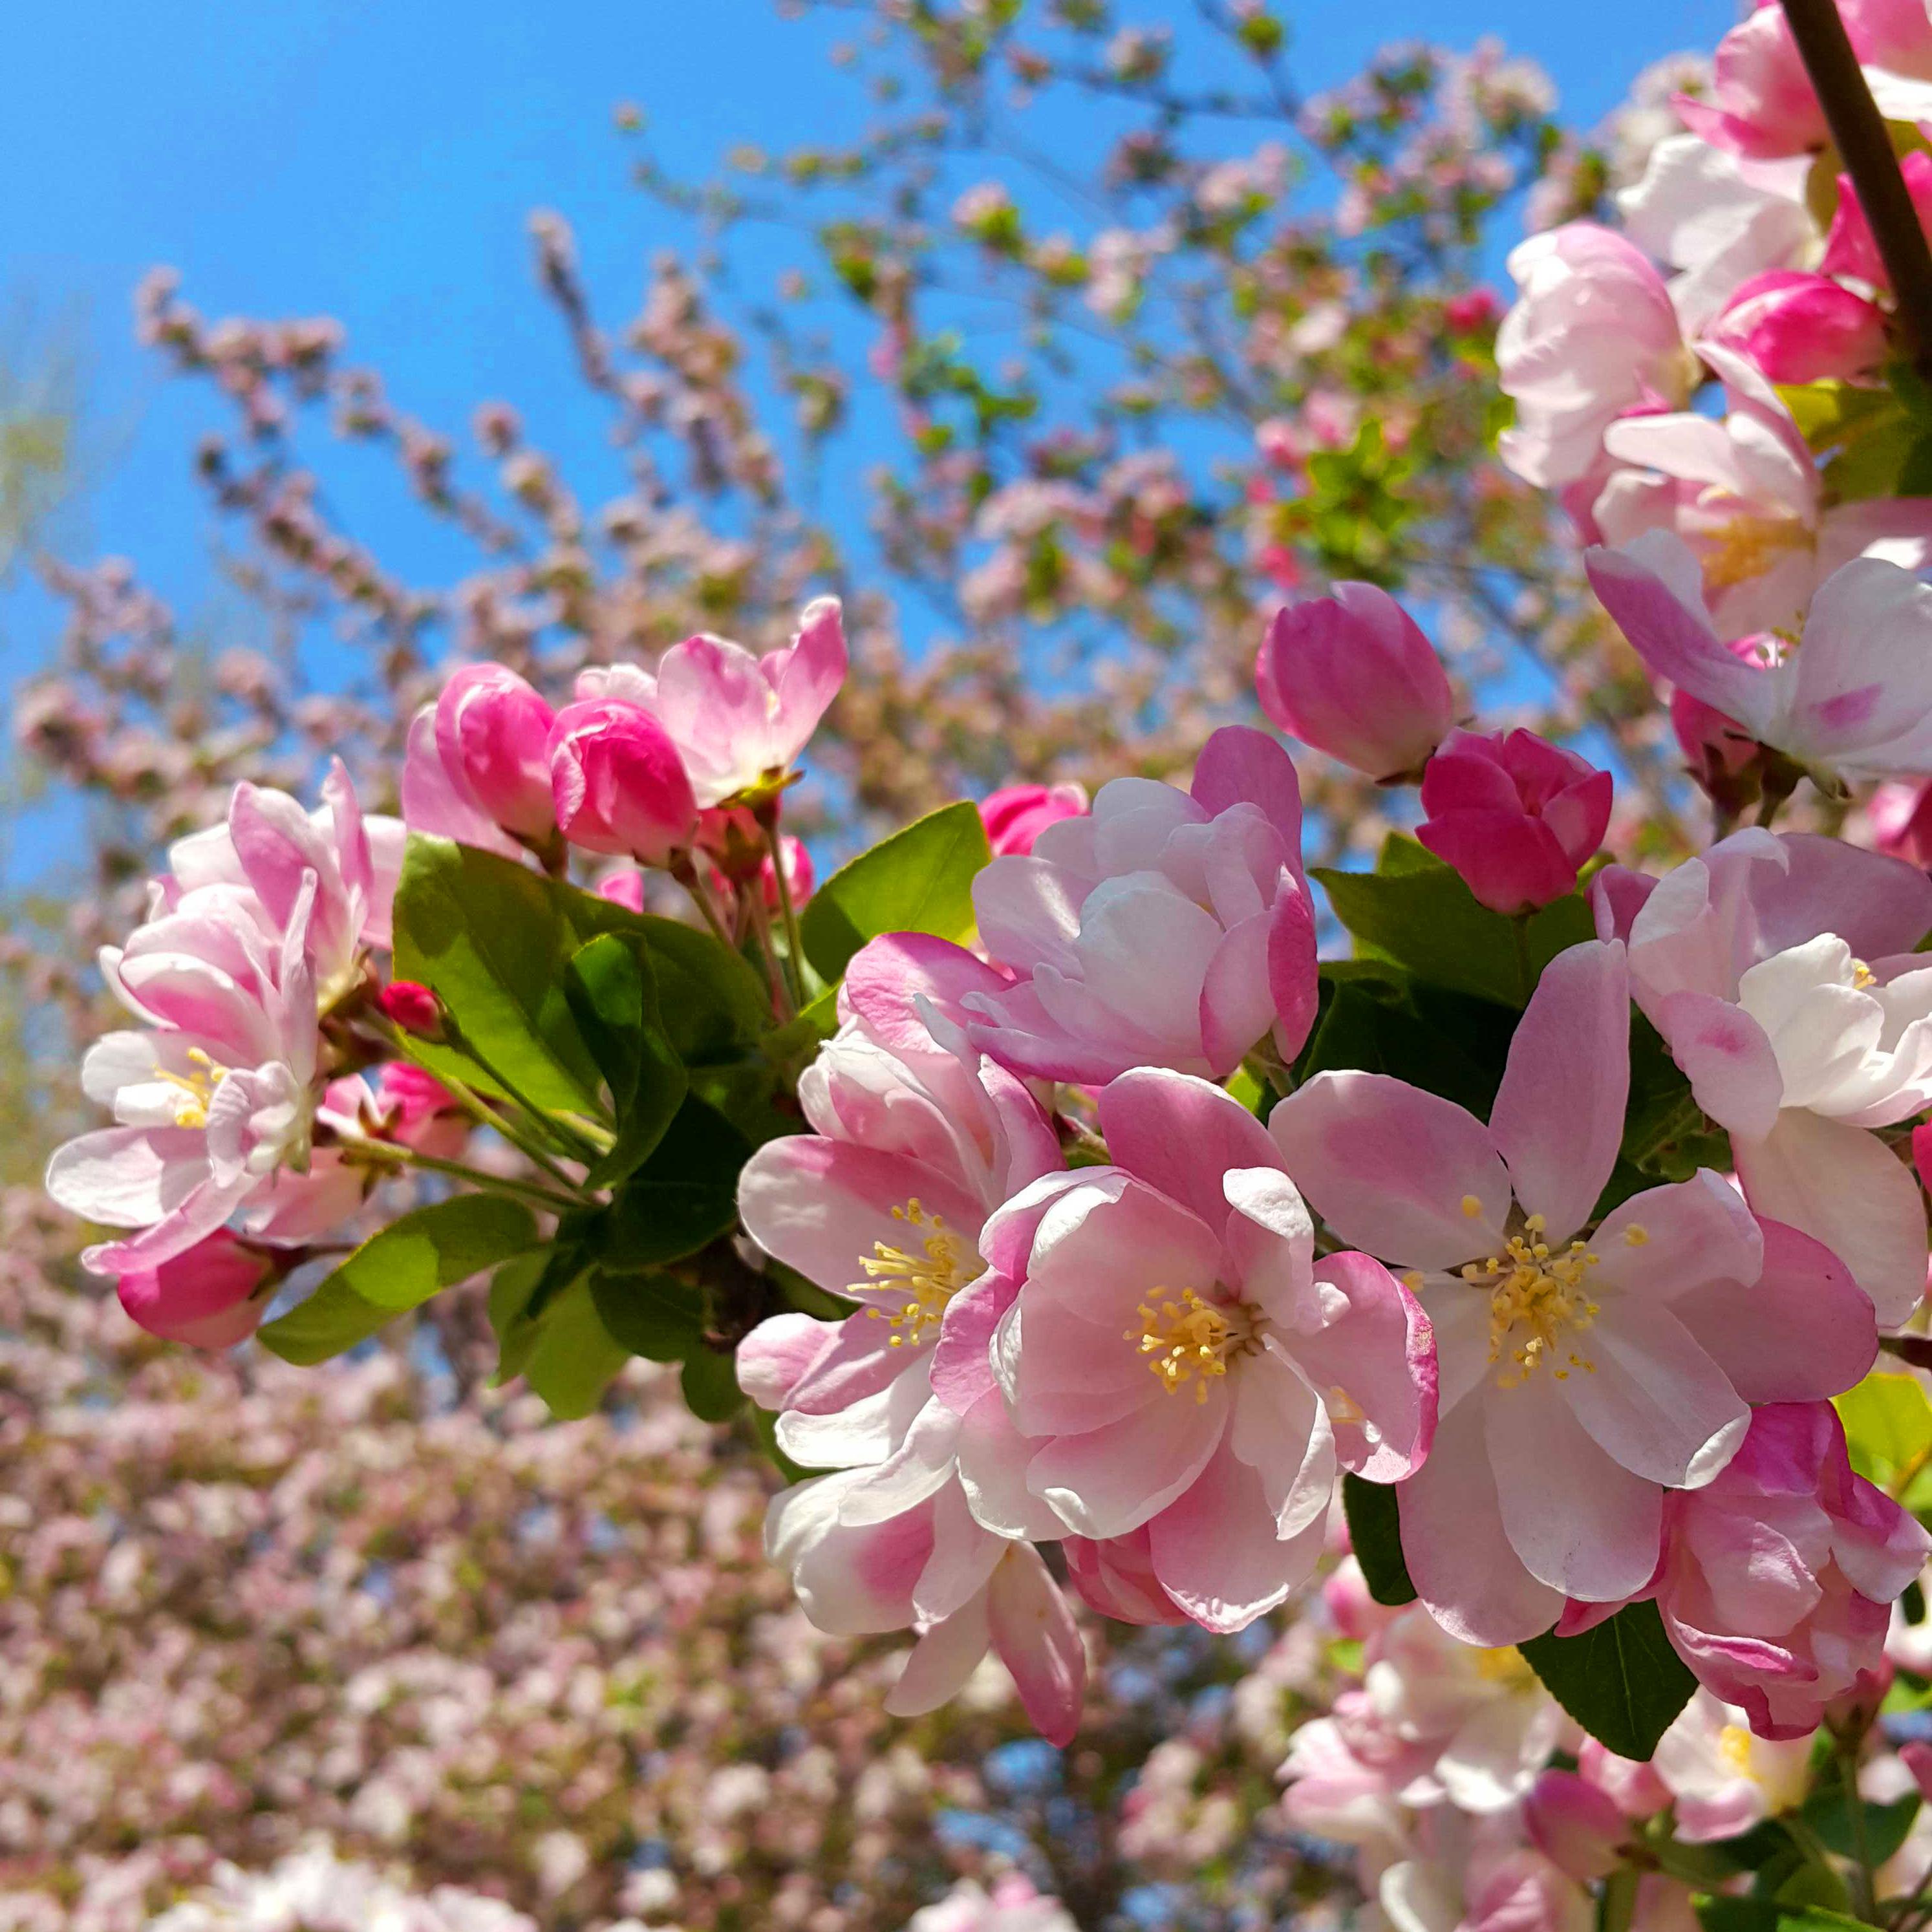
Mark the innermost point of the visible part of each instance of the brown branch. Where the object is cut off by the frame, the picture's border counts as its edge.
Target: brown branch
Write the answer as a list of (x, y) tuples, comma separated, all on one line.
[(1859, 131)]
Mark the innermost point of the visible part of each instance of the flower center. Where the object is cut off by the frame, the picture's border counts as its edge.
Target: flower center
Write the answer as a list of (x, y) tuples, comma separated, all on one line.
[(1746, 547), (1189, 1340), (1734, 1746), (1538, 1303), (1504, 1666), (943, 1265), (198, 1088)]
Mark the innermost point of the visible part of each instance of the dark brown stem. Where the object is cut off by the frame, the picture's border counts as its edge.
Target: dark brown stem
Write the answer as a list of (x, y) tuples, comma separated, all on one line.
[(1858, 132)]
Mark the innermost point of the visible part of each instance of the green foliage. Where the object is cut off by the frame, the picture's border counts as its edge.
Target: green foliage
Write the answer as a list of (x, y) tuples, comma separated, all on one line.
[(1621, 1681), (1375, 1534), (1413, 911), (920, 880), (1887, 1421), (397, 1269), (683, 1197), (1724, 1914), (1377, 1019), (613, 994)]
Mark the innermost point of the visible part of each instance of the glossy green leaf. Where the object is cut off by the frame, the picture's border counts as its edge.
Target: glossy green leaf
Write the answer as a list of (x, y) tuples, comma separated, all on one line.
[(920, 879), (685, 1195), (1375, 1534), (430, 1250), (1888, 1420), (649, 1314), (709, 1383), (575, 1356), (1621, 1681), (613, 994)]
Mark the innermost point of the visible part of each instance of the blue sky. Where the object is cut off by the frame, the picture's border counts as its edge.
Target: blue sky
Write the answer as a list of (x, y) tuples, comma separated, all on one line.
[(376, 159)]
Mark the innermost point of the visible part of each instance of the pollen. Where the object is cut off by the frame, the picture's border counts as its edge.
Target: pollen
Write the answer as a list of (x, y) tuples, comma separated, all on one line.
[(1747, 547), (1187, 1340), (1539, 1303), (1636, 1236), (930, 1277), (1472, 1207), (1862, 976), (198, 1088)]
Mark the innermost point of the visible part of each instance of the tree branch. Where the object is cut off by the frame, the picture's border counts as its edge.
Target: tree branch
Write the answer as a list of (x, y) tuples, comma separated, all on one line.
[(1859, 131)]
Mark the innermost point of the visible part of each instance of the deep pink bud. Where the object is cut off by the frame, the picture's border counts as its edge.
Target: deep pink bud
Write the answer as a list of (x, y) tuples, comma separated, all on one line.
[(1850, 248), (1575, 1824), (1015, 816), (1479, 309), (1800, 328), (1718, 752), (1353, 675), (1901, 822), (1516, 815), (619, 783), (492, 732), (413, 1007), (207, 1297), (1921, 1154)]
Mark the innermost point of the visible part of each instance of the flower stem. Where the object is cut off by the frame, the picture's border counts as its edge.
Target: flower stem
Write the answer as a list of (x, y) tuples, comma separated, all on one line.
[(754, 896), (495, 1183), (768, 820), (687, 875), (1859, 133), (1526, 973)]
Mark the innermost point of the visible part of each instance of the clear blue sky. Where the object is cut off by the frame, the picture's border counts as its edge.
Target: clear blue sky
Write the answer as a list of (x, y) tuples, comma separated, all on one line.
[(375, 160)]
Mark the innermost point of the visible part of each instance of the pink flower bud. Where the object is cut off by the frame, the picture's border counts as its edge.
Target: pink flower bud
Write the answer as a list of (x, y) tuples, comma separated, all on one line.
[(413, 1007), (418, 1111), (1718, 752), (207, 1296), (1575, 1824), (624, 887), (1917, 1758), (619, 783), (1850, 248), (1352, 675), (1015, 817), (1116, 1578), (1516, 815), (1901, 822), (492, 732), (1479, 309), (1800, 328)]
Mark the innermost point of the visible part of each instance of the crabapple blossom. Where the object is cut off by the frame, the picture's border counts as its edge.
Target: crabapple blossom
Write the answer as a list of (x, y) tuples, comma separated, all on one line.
[(1900, 817), (492, 735), (1352, 674), (1576, 1824), (1016, 815), (1854, 699), (620, 783), (1798, 328), (1583, 1374), (1514, 814), (1761, 105), (1722, 1777), (1779, 969), (209, 1296), (1176, 1358), (1166, 929)]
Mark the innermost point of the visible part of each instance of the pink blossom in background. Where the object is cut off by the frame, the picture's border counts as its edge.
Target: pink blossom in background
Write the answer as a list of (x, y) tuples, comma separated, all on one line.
[(1012, 1906), (1016, 816), (1722, 1777), (1761, 104), (1581, 1377), (417, 1110), (1900, 818), (1177, 1358), (1517, 816), (1779, 969), (1850, 247), (619, 784), (1166, 929), (1576, 1824), (1352, 674)]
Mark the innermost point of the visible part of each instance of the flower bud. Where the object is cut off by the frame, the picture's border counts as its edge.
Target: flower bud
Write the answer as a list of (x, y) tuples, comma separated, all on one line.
[(1901, 822), (1353, 675), (208, 1296), (492, 731), (413, 1007), (1575, 1824), (1799, 328), (1516, 815), (618, 784), (1719, 753), (1015, 817)]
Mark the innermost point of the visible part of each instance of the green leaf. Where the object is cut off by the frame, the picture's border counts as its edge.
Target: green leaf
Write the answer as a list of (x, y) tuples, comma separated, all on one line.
[(684, 1196), (1374, 1533), (613, 994), (1724, 1913), (920, 880), (1413, 911), (510, 1288), (709, 1381), (1888, 1422), (651, 1315), (1621, 1681), (575, 1356), (432, 1249), (493, 939), (1885, 1826), (1381, 1021)]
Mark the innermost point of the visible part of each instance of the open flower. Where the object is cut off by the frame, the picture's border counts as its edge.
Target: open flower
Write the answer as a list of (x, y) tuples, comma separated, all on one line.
[(1166, 929), (1723, 1778), (1176, 1357), (1583, 1373), (1779, 969)]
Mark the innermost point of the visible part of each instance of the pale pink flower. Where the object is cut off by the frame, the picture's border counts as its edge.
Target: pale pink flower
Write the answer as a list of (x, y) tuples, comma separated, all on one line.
[(434, 805), (1854, 698), (1167, 929), (1575, 1823), (1583, 1373), (1592, 336), (1352, 674), (932, 1568), (1015, 817), (1779, 969), (1480, 1878), (1176, 1357), (1012, 1906), (1722, 1777)]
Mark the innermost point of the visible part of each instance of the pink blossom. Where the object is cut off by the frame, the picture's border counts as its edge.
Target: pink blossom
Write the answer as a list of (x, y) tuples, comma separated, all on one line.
[(1776, 1578), (209, 1296), (1516, 815), (1012, 1906), (1630, 1783), (1583, 1373), (1576, 1824), (413, 1008), (1016, 816), (417, 1110), (1352, 674), (619, 784), (1115, 1576), (492, 735), (1855, 698), (1592, 336), (1723, 1778), (1779, 969), (433, 803), (1850, 248), (1176, 1358), (1798, 327), (1167, 929), (1900, 817), (1718, 751), (1761, 104)]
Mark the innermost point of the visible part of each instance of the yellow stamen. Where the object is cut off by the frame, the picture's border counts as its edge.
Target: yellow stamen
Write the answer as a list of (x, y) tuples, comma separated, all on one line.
[(1538, 1300), (1747, 547), (1636, 1236), (1472, 1206), (1862, 976), (930, 1278), (199, 1086), (1188, 1340)]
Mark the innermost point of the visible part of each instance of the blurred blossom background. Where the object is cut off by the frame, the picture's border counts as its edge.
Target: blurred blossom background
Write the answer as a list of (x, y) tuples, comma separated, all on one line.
[(339, 342)]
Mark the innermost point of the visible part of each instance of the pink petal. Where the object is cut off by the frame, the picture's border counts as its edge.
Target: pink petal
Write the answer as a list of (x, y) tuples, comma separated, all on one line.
[(1558, 1116), (1181, 1135), (890, 977), (1724, 1052), (1402, 1174), (1113, 1479), (777, 1353), (1236, 1005), (1293, 977), (128, 1177), (1036, 1639), (1239, 764), (941, 1661), (1667, 1240)]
